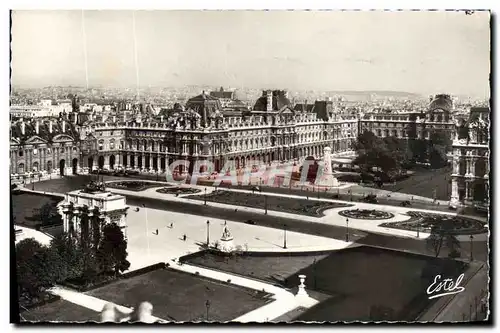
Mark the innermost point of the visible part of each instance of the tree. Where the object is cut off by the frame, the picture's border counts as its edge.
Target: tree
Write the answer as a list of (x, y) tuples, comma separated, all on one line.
[(112, 252), (71, 254), (442, 236), (386, 154), (38, 268), (47, 214)]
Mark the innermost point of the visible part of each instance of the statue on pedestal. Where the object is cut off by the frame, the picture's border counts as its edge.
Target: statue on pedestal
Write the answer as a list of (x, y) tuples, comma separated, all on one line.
[(226, 241)]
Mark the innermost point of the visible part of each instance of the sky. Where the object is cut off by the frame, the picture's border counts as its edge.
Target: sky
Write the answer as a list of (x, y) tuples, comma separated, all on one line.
[(418, 52)]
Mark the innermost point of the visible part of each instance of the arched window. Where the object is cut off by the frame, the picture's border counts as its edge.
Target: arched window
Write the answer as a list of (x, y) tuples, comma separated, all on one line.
[(20, 168), (112, 144), (101, 144), (21, 153)]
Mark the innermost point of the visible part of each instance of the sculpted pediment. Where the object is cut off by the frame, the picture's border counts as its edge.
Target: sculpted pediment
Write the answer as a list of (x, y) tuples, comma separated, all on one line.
[(62, 138), (14, 141), (35, 140)]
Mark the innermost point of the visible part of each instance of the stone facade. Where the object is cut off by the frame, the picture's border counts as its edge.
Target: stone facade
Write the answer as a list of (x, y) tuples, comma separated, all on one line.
[(470, 176)]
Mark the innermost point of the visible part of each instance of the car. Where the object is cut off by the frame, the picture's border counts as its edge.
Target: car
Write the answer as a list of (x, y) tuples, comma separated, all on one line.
[(405, 203), (250, 222)]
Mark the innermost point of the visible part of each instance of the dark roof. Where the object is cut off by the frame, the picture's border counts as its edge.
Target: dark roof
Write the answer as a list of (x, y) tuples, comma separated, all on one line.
[(44, 133), (279, 101), (477, 112), (302, 107), (443, 102)]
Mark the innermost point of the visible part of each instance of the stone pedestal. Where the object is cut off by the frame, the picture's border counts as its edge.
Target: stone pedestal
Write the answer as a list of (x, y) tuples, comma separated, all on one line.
[(302, 287), (454, 200), (226, 241), (325, 175)]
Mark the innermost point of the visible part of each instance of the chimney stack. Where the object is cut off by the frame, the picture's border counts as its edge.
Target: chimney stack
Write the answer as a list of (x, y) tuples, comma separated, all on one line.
[(64, 126), (23, 128), (37, 127), (50, 126), (114, 119), (161, 119), (269, 96)]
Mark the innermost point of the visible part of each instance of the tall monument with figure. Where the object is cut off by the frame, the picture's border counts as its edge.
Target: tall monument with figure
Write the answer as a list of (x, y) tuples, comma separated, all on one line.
[(325, 175)]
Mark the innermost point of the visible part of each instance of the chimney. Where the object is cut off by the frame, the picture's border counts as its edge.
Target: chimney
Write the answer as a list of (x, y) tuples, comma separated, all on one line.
[(161, 119), (114, 119), (23, 128), (124, 117), (64, 126), (37, 127), (269, 95), (50, 126), (76, 118)]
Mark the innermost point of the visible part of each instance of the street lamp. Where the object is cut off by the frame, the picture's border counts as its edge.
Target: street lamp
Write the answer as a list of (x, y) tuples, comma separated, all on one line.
[(284, 236), (347, 229), (208, 233), (418, 228), (265, 204), (471, 239), (207, 305), (205, 197)]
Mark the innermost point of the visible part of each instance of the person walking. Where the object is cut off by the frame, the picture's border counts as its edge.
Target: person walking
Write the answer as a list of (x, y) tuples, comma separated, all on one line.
[(184, 237), (157, 232)]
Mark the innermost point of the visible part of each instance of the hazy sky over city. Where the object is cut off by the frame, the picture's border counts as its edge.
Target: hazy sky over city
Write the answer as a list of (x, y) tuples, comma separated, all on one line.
[(421, 52)]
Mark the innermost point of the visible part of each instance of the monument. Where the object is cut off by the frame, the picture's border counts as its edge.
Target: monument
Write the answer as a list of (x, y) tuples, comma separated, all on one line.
[(302, 287), (93, 206), (325, 175), (226, 241)]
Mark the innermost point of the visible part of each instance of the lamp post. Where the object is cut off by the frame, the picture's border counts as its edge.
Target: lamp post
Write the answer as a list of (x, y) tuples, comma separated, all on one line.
[(265, 204), (208, 233), (347, 230), (284, 236), (205, 197), (471, 239), (207, 305)]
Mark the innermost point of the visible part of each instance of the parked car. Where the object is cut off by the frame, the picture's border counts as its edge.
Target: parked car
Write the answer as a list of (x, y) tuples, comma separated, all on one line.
[(250, 222), (405, 203)]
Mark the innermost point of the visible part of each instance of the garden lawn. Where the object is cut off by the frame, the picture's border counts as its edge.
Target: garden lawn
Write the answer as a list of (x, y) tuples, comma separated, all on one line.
[(25, 205), (179, 296), (60, 311), (274, 203), (359, 280)]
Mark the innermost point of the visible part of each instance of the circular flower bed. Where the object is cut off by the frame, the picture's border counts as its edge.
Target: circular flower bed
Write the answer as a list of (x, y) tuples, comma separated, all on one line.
[(366, 214), (134, 185), (178, 190), (452, 224)]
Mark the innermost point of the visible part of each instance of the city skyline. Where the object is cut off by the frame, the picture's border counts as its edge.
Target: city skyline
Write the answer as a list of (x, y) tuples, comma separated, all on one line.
[(379, 51)]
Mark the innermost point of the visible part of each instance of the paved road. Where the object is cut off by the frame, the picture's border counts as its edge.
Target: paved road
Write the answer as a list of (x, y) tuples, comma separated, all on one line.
[(480, 250)]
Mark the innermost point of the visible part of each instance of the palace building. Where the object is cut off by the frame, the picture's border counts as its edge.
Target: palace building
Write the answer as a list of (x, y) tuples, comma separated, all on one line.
[(470, 176), (215, 127), (44, 144)]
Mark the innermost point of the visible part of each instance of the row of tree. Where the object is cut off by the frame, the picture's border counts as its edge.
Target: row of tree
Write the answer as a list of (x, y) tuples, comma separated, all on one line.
[(67, 258), (392, 154)]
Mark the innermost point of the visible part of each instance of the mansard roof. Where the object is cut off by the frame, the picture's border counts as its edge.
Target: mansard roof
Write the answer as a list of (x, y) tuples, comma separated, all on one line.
[(44, 133)]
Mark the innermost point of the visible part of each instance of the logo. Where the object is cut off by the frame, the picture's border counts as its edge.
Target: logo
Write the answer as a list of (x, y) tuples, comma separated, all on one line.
[(440, 288)]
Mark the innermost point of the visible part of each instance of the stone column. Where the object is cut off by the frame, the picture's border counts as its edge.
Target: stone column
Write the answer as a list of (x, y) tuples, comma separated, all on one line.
[(143, 157), (454, 200), (151, 161), (473, 166), (136, 161)]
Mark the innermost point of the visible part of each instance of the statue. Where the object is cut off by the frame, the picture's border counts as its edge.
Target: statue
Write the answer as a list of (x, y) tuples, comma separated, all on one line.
[(226, 234), (325, 177)]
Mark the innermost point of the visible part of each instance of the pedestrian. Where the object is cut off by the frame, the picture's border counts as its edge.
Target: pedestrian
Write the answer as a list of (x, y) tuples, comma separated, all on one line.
[(156, 231), (184, 237), (172, 225)]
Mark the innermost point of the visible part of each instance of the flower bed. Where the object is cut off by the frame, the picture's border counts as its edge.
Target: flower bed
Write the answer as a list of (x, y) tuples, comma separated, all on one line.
[(178, 190), (425, 221), (366, 214), (134, 185)]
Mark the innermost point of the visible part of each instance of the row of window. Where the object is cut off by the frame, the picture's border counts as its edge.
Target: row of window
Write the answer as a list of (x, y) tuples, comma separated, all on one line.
[(47, 150)]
